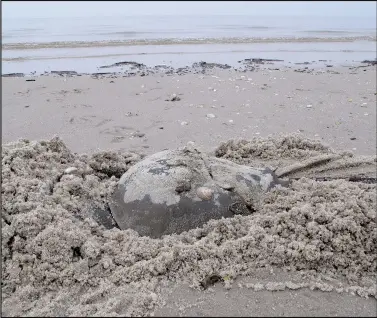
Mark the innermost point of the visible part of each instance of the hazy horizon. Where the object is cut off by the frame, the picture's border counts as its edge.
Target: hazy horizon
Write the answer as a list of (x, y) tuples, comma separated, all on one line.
[(64, 9)]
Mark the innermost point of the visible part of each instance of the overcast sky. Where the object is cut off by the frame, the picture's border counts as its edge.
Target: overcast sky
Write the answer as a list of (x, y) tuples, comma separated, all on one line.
[(38, 9)]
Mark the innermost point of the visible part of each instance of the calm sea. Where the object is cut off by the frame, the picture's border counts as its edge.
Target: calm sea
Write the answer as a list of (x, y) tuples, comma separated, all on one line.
[(86, 43)]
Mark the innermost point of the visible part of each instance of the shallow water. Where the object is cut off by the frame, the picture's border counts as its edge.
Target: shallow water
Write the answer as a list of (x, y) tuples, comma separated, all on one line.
[(84, 44), (199, 26)]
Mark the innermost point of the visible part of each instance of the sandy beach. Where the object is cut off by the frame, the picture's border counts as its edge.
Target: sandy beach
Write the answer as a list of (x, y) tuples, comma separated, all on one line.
[(112, 112), (309, 251)]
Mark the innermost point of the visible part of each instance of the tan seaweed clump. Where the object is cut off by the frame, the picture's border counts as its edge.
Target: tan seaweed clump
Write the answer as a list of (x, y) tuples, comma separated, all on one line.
[(57, 261)]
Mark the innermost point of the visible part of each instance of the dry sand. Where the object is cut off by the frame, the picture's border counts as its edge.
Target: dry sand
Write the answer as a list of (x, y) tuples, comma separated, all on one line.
[(310, 250)]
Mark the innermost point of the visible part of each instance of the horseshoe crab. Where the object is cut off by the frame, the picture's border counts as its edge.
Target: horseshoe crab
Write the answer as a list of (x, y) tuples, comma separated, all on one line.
[(177, 190)]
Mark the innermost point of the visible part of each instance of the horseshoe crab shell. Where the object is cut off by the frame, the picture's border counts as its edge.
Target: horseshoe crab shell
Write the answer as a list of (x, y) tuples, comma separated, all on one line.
[(177, 190)]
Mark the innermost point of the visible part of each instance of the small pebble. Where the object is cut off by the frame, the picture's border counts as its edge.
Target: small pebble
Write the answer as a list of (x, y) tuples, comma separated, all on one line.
[(210, 116), (353, 138), (184, 123), (309, 106)]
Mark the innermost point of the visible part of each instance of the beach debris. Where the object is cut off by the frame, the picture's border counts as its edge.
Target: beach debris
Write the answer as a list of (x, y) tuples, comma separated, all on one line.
[(353, 138), (309, 106), (30, 80), (62, 73), (370, 62), (27, 106), (138, 134), (210, 116), (366, 114), (173, 98), (210, 281), (231, 121), (258, 61), (71, 170), (125, 63), (117, 139), (130, 114), (184, 123), (13, 75), (364, 104), (204, 65)]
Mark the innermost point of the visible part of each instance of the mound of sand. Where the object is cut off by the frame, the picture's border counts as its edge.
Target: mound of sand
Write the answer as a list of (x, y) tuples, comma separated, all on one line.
[(58, 261)]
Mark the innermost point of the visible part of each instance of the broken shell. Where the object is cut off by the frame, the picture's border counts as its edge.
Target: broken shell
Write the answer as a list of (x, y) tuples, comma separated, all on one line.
[(204, 193), (71, 170)]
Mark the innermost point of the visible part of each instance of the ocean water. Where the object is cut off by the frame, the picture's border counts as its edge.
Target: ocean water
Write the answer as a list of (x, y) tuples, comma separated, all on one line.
[(86, 43)]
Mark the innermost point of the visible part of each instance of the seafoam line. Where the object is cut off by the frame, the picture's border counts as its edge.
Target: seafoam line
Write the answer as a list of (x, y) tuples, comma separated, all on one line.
[(139, 42)]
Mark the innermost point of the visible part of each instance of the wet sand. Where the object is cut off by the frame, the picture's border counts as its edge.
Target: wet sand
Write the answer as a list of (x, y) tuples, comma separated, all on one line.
[(335, 105), (310, 250)]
